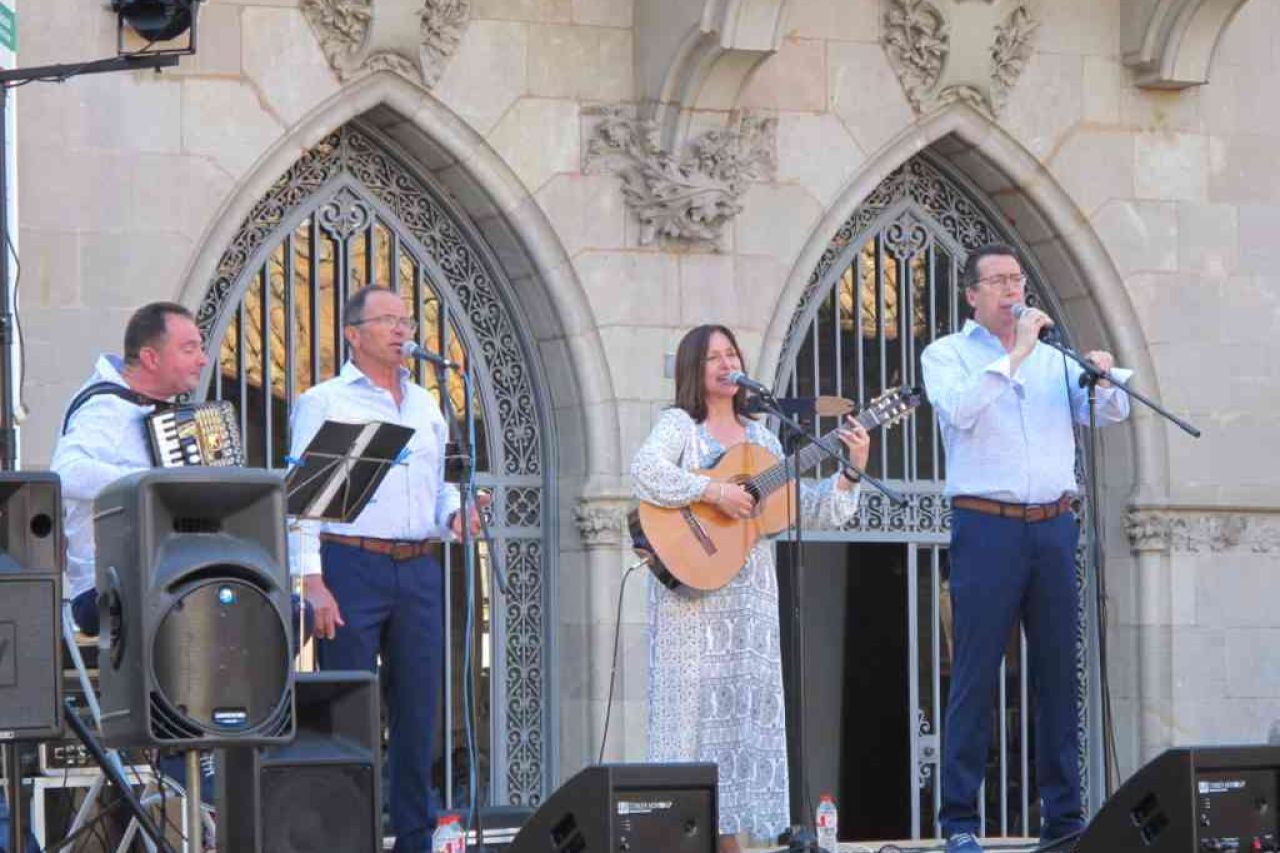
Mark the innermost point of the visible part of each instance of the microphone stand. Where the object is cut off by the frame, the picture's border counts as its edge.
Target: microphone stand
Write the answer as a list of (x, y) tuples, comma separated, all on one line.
[(1089, 379), (801, 838)]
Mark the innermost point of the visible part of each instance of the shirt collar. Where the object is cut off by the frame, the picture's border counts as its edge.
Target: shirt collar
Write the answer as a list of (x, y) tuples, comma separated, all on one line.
[(975, 330), (352, 374)]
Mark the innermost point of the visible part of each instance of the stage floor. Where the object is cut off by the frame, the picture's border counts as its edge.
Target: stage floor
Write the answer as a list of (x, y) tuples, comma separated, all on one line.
[(925, 845)]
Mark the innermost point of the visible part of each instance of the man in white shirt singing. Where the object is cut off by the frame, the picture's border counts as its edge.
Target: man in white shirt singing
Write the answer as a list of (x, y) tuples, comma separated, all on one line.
[(1007, 404), (376, 583)]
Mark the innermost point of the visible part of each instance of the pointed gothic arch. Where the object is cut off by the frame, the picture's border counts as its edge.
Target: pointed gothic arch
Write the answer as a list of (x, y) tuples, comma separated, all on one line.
[(354, 210)]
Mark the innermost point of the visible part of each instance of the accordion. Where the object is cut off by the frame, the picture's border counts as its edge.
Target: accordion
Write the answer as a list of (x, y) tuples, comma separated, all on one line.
[(196, 434)]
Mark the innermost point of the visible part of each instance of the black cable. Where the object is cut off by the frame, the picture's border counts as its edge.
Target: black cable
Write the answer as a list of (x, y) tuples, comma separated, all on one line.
[(613, 672)]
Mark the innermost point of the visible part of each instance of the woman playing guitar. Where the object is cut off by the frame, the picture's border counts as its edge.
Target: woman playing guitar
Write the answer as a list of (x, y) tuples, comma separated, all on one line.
[(715, 680)]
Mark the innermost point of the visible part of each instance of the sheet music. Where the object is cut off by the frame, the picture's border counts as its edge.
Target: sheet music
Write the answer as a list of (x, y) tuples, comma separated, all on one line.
[(342, 466)]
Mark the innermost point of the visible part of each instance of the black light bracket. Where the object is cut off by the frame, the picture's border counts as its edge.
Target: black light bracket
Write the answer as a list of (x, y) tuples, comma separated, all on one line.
[(155, 21)]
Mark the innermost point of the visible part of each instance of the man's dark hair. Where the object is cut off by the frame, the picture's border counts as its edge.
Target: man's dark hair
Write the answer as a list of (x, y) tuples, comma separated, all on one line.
[(353, 308), (969, 276), (691, 367), (148, 326)]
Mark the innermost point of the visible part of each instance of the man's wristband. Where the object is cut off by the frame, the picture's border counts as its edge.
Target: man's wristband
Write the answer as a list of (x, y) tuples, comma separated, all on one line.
[(845, 473)]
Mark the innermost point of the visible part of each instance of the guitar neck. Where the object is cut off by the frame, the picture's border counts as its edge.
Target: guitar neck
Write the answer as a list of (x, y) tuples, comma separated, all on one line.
[(771, 479)]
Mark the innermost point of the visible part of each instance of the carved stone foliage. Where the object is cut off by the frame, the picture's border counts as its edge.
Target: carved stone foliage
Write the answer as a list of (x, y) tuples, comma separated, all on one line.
[(411, 37), (1202, 531), (945, 51), (601, 522), (690, 197)]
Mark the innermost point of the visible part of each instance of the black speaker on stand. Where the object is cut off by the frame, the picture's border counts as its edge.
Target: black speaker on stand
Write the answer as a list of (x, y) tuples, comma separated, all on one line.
[(193, 592), (671, 808), (1191, 800), (32, 556), (320, 792)]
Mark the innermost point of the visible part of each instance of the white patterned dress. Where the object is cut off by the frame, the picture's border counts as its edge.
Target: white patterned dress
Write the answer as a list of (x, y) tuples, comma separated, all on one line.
[(715, 664)]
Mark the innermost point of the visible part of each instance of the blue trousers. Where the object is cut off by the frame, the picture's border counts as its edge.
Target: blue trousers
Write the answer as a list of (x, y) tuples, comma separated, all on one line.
[(394, 609), (1004, 570)]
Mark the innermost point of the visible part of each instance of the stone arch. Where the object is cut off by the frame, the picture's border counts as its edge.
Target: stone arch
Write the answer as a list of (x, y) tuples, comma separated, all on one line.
[(1091, 296), (1069, 252), (557, 322), (1170, 43), (543, 278)]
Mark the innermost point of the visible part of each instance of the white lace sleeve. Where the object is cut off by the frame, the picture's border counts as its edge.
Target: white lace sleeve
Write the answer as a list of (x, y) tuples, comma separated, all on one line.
[(656, 473)]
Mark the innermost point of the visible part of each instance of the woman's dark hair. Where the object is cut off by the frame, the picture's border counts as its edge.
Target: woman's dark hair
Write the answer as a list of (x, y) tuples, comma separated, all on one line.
[(691, 360)]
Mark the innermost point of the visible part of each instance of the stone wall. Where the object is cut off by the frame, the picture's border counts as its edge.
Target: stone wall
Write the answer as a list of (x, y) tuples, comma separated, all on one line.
[(1152, 211)]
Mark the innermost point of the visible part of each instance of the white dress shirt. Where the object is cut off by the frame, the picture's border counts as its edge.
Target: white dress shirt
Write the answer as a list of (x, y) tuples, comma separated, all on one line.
[(413, 502), (105, 440), (1009, 437)]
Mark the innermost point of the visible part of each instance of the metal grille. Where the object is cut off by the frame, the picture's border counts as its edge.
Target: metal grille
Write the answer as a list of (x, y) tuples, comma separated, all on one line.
[(349, 213), (887, 286)]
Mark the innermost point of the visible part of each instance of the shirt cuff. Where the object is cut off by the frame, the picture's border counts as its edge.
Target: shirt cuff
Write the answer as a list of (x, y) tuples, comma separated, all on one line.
[(1001, 367)]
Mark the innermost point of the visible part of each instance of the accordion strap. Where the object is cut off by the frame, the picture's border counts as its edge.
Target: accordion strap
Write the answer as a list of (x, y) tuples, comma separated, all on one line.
[(98, 388)]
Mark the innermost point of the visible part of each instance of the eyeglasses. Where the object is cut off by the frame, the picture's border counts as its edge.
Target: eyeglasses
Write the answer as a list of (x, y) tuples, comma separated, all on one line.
[(1006, 280), (389, 321)]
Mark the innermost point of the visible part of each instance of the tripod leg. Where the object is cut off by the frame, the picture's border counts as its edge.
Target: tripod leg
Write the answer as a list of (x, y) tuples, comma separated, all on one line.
[(113, 772), (13, 796)]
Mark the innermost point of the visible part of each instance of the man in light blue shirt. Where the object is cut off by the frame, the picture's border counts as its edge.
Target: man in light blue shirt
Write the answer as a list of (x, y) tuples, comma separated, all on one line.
[(1007, 405), (376, 583)]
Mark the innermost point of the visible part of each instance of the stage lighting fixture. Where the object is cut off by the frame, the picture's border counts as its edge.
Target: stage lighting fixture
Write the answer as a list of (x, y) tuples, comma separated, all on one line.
[(156, 20)]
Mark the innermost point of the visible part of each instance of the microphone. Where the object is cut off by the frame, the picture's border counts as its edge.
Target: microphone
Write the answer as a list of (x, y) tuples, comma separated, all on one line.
[(409, 349), (741, 379), (1046, 332)]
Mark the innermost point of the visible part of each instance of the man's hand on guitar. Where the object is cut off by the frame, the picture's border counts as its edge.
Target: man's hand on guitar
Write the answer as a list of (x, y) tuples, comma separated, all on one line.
[(730, 498), (857, 442)]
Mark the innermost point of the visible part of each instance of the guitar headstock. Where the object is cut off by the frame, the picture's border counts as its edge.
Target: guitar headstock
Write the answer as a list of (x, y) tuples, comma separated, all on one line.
[(891, 406)]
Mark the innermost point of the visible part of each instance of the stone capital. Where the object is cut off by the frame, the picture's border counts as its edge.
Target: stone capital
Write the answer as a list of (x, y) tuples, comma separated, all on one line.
[(602, 522)]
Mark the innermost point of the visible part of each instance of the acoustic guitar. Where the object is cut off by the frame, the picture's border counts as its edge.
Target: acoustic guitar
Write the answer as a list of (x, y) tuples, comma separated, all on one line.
[(700, 547)]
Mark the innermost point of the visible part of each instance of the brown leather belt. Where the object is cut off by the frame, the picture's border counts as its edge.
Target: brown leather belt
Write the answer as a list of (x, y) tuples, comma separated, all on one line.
[(1030, 513), (397, 549)]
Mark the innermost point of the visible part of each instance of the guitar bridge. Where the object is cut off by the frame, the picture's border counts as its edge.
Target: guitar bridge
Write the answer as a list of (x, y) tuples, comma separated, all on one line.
[(699, 532)]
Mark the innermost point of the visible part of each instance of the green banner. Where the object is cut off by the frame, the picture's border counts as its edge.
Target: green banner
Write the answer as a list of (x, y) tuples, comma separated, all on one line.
[(8, 28)]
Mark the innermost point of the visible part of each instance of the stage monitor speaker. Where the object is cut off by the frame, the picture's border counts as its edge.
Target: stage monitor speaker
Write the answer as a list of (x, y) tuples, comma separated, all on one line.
[(670, 808), (32, 555), (193, 592), (1193, 800), (320, 792)]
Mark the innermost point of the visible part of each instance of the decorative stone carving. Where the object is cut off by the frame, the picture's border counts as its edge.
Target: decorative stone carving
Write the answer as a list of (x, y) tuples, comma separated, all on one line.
[(945, 51), (1170, 43), (1201, 531), (411, 37), (689, 198), (601, 522)]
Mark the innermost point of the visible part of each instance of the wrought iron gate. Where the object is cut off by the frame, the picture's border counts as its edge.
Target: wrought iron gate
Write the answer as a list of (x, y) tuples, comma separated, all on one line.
[(886, 287), (351, 212)]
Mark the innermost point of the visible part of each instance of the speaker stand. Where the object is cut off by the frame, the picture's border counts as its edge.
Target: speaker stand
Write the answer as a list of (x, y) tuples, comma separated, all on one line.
[(195, 841), (113, 772), (13, 798)]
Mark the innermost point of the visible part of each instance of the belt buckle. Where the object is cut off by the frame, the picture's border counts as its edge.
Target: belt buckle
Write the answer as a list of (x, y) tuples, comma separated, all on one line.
[(403, 551)]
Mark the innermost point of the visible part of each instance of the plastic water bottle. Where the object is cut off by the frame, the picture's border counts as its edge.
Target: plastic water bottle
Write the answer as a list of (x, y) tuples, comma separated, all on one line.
[(448, 837), (827, 822)]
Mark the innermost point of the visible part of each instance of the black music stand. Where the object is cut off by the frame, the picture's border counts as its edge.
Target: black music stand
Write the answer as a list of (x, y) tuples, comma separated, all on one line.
[(342, 467)]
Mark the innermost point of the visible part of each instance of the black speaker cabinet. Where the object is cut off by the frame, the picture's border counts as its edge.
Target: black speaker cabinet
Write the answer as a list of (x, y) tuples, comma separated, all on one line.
[(670, 808), (320, 792), (32, 555), (193, 592), (1193, 800)]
